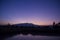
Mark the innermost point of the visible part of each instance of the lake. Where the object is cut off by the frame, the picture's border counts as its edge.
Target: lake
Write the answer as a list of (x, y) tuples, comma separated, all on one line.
[(32, 37)]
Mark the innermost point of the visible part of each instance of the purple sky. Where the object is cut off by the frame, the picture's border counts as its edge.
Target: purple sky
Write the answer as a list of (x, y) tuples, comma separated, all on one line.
[(41, 12)]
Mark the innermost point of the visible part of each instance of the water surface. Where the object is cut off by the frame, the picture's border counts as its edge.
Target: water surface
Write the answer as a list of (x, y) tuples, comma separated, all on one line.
[(32, 37)]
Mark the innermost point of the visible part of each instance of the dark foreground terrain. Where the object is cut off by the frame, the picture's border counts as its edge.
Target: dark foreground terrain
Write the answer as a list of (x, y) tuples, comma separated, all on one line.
[(25, 29)]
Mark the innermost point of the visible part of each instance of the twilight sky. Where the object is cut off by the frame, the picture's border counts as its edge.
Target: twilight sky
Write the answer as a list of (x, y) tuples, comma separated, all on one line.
[(40, 12)]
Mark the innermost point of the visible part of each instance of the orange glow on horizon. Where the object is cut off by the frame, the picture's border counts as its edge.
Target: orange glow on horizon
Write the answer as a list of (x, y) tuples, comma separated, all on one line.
[(28, 20)]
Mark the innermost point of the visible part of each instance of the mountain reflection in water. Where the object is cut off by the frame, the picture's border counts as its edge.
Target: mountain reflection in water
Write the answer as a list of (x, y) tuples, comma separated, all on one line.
[(32, 37)]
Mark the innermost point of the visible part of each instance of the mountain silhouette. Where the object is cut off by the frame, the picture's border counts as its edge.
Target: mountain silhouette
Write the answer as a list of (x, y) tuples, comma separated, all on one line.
[(26, 24)]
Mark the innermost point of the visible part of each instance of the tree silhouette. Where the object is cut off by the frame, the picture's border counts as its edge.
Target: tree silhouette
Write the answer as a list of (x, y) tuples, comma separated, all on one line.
[(53, 23)]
